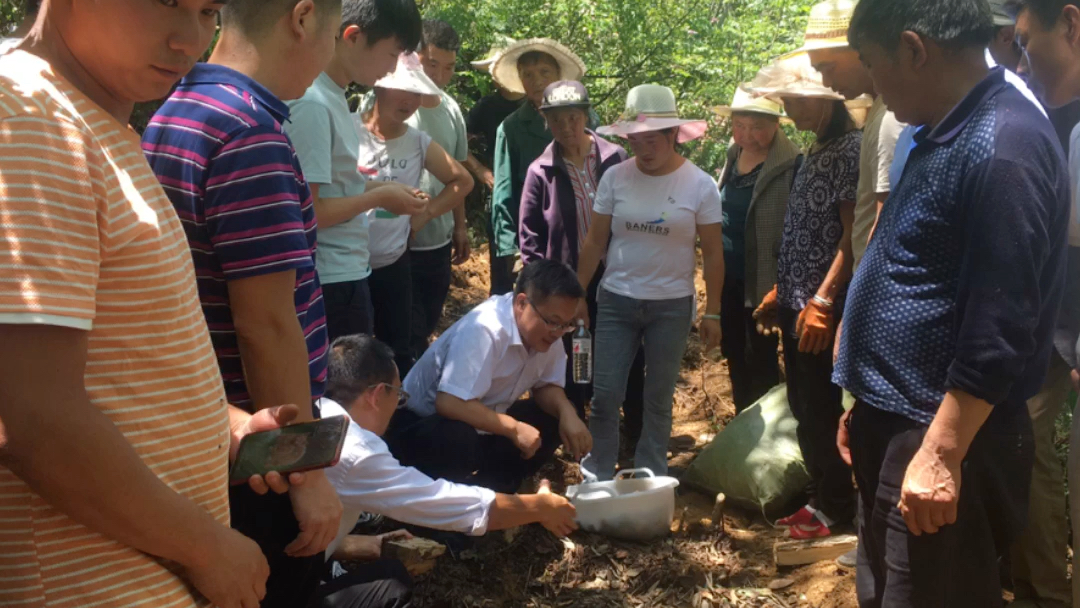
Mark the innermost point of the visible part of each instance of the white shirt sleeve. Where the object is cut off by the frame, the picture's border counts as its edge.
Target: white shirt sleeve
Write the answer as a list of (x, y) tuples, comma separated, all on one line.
[(604, 204), (710, 210), (886, 149), (370, 479), (470, 362)]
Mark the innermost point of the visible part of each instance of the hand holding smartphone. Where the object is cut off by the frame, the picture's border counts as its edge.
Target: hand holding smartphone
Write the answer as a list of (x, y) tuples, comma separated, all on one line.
[(295, 448)]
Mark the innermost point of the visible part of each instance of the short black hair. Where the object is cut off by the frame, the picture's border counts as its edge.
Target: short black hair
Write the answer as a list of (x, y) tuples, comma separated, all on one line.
[(357, 363), (952, 24), (382, 19), (1047, 11), (542, 279), (254, 17), (441, 35), (534, 57)]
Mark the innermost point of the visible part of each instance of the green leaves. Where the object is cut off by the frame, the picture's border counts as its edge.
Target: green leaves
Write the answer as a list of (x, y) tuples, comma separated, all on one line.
[(702, 49)]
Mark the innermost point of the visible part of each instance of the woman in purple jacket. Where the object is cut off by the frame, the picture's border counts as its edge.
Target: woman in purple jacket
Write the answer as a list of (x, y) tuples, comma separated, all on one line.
[(556, 206)]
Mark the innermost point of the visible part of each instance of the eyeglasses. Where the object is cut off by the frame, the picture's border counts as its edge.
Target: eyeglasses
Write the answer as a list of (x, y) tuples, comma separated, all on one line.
[(403, 397), (552, 326)]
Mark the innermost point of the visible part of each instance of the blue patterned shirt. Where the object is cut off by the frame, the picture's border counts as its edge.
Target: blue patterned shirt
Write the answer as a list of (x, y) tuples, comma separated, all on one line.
[(963, 278)]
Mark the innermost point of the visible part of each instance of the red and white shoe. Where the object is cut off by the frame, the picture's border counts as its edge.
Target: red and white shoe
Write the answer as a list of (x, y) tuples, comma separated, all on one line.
[(802, 517), (814, 529)]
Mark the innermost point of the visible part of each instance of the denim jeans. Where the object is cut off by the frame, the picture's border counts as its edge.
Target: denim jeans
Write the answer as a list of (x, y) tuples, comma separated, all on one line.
[(661, 327)]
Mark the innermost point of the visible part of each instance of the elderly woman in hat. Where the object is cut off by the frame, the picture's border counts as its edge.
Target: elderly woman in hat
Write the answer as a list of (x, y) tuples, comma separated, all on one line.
[(557, 202), (393, 151), (812, 276), (648, 215), (754, 189), (527, 67)]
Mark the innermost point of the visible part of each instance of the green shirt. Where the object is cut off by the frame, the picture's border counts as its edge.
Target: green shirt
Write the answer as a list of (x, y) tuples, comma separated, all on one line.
[(521, 138), (323, 133), (446, 126)]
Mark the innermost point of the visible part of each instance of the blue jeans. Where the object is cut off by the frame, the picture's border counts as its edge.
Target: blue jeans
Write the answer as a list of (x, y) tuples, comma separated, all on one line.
[(661, 327)]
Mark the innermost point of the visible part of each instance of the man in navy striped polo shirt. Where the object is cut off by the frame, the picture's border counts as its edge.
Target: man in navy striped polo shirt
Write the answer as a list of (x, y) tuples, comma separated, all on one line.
[(949, 319), (218, 147)]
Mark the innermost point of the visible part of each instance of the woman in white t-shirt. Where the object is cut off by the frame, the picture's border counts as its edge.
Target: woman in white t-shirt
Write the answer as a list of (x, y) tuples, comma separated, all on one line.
[(393, 151), (649, 213)]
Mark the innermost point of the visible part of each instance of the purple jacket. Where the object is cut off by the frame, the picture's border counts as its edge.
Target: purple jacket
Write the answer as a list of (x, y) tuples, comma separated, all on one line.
[(548, 227)]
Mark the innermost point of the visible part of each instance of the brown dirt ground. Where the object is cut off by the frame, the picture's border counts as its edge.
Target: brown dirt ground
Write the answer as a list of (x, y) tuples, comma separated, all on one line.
[(699, 566)]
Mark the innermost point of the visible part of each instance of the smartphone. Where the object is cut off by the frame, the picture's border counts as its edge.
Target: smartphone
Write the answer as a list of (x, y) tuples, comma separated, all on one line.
[(298, 447)]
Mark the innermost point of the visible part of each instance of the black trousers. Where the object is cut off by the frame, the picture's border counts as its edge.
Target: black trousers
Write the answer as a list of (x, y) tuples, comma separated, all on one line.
[(817, 404), (958, 566), (455, 451), (431, 273), (752, 360), (269, 521), (580, 394), (384, 583), (348, 308), (391, 298)]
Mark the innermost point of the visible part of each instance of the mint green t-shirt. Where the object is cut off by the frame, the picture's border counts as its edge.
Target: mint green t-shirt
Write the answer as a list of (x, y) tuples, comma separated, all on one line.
[(324, 135)]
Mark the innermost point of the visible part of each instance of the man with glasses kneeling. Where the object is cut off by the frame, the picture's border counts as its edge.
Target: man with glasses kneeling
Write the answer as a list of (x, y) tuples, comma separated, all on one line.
[(465, 419)]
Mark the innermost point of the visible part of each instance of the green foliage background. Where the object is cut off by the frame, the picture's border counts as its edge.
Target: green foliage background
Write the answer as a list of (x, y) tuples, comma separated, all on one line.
[(702, 49)]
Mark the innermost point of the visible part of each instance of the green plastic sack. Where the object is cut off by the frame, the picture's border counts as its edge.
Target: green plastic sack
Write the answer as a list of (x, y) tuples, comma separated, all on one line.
[(755, 461)]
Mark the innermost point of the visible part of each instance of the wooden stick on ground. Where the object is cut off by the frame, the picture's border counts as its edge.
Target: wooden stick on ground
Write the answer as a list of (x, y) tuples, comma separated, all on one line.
[(799, 552)]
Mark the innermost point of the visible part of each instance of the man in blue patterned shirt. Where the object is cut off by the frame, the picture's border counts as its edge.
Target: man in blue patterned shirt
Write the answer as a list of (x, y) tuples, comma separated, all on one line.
[(949, 318)]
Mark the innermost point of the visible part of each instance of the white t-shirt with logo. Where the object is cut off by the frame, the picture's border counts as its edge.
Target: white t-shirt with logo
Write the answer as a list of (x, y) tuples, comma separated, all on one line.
[(398, 160), (654, 222)]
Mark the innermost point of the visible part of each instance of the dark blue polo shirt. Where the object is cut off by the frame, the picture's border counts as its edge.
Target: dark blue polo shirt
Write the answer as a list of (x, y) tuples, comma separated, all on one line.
[(962, 281)]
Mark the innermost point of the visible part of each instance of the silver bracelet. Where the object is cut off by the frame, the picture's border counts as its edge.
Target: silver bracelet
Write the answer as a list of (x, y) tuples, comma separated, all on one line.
[(827, 303), (714, 317)]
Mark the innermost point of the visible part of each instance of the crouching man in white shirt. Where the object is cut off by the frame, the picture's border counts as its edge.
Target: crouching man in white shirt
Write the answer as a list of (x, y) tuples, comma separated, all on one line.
[(363, 383), (465, 419)]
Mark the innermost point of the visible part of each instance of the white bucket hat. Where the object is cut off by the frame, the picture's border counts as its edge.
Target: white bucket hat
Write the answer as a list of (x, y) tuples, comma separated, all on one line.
[(651, 107), (505, 71), (500, 44), (409, 76), (744, 102)]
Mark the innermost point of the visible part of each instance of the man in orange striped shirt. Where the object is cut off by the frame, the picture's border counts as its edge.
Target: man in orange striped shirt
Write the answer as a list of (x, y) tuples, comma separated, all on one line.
[(114, 430)]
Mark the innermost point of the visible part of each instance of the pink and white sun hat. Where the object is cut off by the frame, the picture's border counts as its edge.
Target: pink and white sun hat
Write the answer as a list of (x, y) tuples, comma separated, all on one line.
[(651, 107), (409, 76)]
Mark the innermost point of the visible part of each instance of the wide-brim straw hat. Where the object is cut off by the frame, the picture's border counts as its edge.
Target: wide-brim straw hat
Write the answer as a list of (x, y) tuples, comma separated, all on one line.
[(500, 44), (827, 27), (505, 71), (651, 107), (744, 102), (792, 75), (409, 76)]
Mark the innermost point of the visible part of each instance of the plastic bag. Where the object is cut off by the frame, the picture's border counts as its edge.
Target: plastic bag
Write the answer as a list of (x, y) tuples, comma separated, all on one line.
[(755, 461)]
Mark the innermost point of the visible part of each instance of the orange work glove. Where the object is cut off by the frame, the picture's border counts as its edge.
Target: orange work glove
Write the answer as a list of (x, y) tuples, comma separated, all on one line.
[(766, 315), (815, 327)]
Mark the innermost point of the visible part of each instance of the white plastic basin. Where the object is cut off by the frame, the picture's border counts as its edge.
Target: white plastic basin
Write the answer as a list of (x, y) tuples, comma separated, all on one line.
[(639, 509)]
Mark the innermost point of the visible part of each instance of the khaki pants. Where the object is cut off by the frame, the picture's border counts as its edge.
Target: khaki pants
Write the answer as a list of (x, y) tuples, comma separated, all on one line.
[(1039, 556)]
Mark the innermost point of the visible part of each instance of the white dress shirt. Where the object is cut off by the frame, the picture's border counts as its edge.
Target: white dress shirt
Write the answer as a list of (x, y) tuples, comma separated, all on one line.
[(482, 357), (368, 478)]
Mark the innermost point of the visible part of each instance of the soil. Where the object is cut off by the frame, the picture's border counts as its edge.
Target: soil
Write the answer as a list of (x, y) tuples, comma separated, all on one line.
[(701, 565)]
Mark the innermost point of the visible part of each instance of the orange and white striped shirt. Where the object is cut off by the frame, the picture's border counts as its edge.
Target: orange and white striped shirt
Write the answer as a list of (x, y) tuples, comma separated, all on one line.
[(88, 240)]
